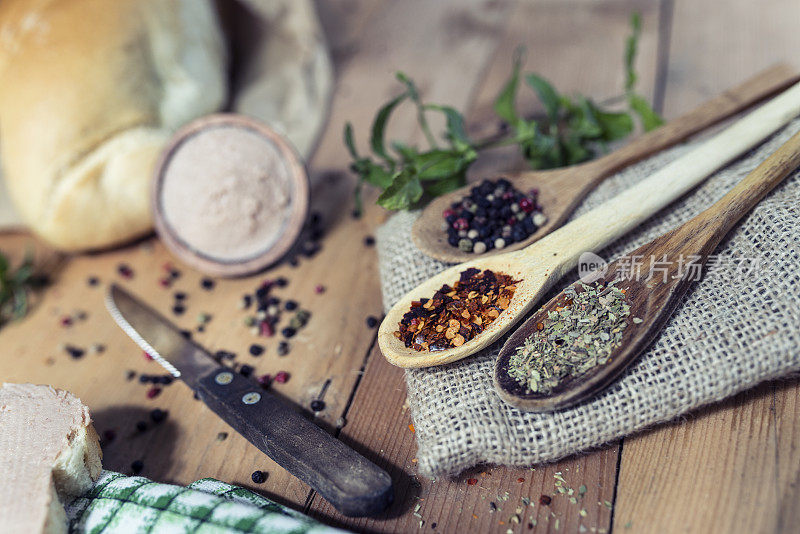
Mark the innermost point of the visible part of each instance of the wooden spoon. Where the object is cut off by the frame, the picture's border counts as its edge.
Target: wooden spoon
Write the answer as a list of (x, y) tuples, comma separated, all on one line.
[(562, 190), (654, 277), (544, 262)]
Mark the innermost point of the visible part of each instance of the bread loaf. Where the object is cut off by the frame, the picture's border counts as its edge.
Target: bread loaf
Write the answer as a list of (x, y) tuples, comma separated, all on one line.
[(90, 90), (49, 452)]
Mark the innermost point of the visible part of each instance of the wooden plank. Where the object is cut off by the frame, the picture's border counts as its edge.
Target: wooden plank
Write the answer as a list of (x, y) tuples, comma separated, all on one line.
[(480, 500), (378, 420), (738, 458), (715, 45)]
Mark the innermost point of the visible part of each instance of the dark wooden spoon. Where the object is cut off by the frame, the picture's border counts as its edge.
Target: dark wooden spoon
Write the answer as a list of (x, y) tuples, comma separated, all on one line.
[(654, 277), (562, 190)]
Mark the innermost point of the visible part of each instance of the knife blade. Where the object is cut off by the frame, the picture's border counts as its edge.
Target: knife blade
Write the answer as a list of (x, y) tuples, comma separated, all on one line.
[(351, 483)]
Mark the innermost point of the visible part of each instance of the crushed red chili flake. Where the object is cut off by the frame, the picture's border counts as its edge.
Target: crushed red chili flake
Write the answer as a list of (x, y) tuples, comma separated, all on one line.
[(455, 314)]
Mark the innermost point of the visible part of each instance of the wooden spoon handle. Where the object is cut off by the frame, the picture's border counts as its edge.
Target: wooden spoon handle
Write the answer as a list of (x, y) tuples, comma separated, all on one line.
[(614, 218), (724, 105), (715, 222)]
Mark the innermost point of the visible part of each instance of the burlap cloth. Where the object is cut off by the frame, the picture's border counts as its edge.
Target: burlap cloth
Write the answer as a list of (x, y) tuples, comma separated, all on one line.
[(736, 327)]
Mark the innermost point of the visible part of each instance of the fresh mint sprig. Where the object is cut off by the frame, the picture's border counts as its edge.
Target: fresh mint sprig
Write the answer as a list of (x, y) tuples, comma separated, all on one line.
[(15, 285), (573, 130)]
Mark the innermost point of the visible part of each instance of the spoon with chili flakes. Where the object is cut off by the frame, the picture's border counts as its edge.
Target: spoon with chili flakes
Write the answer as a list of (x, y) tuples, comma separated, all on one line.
[(412, 335)]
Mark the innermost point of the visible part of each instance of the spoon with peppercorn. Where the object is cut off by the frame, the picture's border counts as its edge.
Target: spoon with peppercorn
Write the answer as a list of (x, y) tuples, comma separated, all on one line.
[(574, 346), (510, 213), (419, 330)]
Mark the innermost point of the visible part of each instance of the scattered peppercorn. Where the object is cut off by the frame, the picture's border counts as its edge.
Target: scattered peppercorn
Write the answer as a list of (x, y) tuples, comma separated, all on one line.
[(258, 477), (282, 377), (66, 321), (456, 314), (372, 321), (319, 289), (137, 466), (158, 415), (369, 241), (130, 375), (317, 405), (222, 436), (74, 352), (256, 350), (153, 392), (180, 295), (179, 309), (125, 271), (187, 334), (264, 380), (288, 332), (141, 426), (246, 370), (93, 281), (281, 282), (283, 348), (207, 284), (545, 500)]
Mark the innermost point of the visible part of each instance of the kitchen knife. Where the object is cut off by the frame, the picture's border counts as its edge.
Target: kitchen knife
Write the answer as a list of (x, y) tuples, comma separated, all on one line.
[(351, 483)]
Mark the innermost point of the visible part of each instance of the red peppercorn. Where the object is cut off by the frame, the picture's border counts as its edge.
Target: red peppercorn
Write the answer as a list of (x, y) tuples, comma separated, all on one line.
[(448, 212), (282, 377), (264, 380), (153, 393), (165, 282), (512, 221), (508, 195), (472, 481), (147, 356), (319, 289), (461, 224), (526, 205), (266, 329), (66, 321)]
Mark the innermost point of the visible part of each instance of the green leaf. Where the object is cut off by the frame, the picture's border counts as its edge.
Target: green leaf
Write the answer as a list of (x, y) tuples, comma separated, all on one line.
[(630, 51), (379, 127), (413, 94), (650, 119), (349, 142), (547, 95), (408, 153), (445, 185), (504, 105), (404, 192), (438, 164), (614, 125), (456, 131)]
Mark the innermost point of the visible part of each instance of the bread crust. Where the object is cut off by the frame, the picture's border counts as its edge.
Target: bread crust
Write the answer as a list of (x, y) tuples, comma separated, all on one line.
[(90, 90)]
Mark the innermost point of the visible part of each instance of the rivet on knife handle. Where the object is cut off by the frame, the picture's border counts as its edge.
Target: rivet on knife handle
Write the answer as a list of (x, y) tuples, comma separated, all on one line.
[(351, 483)]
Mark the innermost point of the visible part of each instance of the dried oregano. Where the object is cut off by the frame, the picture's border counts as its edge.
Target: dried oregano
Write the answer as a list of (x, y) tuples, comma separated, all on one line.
[(574, 338)]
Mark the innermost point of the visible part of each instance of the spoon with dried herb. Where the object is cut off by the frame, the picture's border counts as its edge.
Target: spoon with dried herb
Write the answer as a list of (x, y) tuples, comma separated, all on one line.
[(539, 266), (581, 340)]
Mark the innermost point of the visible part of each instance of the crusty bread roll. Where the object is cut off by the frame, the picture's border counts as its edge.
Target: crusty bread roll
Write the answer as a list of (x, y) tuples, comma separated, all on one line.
[(90, 90), (49, 452)]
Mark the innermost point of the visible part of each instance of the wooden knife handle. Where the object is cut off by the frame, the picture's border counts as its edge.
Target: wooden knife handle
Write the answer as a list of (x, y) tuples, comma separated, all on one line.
[(351, 483)]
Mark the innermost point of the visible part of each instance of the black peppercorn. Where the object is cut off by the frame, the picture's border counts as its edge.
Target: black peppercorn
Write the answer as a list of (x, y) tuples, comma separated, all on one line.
[(258, 477), (137, 466), (246, 370), (317, 405), (141, 426), (207, 284), (158, 415), (256, 350), (288, 332), (372, 322), (290, 305), (283, 348), (178, 309)]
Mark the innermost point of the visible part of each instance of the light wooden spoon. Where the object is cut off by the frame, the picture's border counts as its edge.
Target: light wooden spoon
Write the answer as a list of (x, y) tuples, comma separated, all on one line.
[(654, 277), (543, 263), (562, 190)]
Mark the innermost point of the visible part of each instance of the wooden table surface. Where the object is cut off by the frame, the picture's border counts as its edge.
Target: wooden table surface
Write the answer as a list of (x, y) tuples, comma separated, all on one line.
[(732, 467)]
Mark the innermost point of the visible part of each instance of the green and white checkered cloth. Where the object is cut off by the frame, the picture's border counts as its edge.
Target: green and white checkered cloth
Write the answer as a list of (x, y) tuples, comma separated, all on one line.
[(122, 504)]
